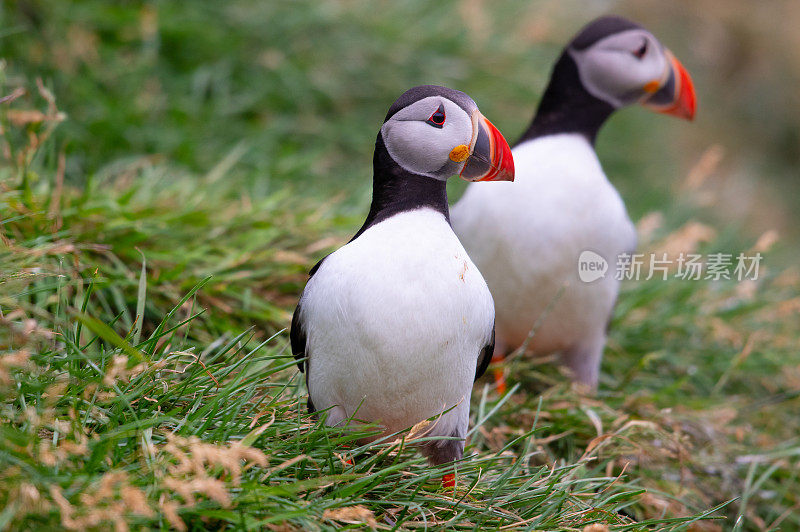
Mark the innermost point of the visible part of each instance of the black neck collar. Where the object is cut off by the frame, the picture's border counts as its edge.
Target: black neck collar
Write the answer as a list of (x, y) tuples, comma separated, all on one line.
[(396, 190), (567, 107)]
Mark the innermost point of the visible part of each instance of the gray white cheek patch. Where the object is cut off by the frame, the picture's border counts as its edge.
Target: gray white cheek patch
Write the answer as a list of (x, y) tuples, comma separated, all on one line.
[(422, 148), (403, 140)]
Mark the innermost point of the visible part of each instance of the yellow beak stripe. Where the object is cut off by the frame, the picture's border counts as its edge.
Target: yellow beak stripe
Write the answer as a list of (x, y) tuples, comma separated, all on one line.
[(459, 153), (652, 86)]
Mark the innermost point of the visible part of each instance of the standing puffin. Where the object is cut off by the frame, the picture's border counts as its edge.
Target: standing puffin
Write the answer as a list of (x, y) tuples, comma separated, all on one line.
[(527, 238), (394, 327)]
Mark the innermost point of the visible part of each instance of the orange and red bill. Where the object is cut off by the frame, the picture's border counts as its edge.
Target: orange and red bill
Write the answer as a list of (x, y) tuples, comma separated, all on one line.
[(490, 158), (676, 95)]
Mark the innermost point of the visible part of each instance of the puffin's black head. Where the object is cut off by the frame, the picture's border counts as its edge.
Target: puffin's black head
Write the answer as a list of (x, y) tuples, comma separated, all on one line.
[(612, 62), (621, 63), (438, 132)]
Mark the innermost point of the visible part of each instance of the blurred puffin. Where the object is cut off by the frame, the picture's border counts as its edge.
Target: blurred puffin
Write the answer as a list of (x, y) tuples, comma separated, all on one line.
[(394, 327), (527, 238)]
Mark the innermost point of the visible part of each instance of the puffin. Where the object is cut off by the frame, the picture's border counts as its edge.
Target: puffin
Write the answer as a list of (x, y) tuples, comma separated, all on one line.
[(531, 239), (394, 327)]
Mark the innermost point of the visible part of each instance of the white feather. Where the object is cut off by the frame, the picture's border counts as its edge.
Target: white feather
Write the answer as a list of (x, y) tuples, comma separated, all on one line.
[(395, 321), (526, 237)]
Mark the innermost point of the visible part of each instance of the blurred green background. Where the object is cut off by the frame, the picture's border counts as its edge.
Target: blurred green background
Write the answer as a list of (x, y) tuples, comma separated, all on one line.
[(291, 94), (232, 141)]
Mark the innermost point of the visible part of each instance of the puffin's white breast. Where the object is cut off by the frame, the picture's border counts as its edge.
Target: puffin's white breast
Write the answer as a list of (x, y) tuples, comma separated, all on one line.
[(395, 321), (526, 238)]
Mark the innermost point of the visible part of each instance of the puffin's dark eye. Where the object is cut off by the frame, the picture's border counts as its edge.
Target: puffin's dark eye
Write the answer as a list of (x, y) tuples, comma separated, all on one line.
[(641, 51), (437, 118)]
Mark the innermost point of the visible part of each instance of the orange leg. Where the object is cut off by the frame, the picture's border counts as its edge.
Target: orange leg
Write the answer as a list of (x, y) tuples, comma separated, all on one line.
[(449, 480), (499, 374)]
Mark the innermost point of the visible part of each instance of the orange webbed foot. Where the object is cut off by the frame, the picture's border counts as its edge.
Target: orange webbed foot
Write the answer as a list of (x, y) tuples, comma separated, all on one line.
[(449, 481)]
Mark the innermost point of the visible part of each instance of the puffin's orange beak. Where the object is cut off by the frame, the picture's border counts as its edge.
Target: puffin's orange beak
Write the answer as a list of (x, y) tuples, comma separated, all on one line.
[(490, 158), (676, 96)]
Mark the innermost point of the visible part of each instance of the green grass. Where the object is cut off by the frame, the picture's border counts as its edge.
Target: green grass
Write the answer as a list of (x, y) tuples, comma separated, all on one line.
[(146, 284), (185, 412)]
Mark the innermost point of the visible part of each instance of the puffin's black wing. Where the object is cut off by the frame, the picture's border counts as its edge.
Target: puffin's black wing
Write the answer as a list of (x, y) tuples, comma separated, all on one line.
[(297, 336), (485, 357), (314, 268)]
